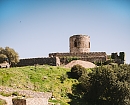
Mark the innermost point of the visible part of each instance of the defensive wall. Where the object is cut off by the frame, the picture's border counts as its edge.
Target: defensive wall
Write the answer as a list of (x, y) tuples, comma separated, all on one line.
[(56, 59), (53, 61), (90, 56), (66, 60)]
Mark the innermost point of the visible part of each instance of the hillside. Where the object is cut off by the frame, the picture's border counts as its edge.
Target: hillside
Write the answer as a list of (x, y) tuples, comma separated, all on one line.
[(42, 78)]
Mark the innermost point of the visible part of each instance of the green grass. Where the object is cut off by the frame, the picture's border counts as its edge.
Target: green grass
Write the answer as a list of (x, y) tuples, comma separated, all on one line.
[(3, 102), (43, 78)]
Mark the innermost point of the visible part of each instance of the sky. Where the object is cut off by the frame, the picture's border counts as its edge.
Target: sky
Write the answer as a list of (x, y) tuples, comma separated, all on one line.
[(35, 28)]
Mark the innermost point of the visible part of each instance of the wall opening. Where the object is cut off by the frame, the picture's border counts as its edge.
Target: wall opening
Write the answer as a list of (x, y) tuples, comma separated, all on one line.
[(75, 43), (89, 44)]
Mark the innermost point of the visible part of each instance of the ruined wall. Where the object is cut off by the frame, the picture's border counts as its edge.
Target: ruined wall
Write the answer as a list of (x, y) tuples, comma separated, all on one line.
[(118, 58), (31, 97), (79, 43), (30, 101), (66, 60), (90, 56), (31, 61)]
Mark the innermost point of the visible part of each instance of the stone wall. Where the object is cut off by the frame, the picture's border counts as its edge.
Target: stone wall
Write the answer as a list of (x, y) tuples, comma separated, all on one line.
[(30, 101), (53, 61), (118, 58), (56, 59), (19, 102), (66, 60), (90, 56), (31, 97)]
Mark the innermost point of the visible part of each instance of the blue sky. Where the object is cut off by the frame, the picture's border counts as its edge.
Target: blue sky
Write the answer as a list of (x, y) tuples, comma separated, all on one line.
[(35, 28)]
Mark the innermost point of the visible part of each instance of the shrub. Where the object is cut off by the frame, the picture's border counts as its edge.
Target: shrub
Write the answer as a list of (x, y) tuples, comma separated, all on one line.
[(77, 71), (5, 94), (69, 59), (107, 85), (15, 93)]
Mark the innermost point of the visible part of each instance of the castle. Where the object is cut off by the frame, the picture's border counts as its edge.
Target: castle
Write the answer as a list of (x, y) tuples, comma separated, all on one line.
[(79, 50)]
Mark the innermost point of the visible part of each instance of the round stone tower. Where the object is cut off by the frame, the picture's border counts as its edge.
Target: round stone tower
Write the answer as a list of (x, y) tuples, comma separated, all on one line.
[(79, 43)]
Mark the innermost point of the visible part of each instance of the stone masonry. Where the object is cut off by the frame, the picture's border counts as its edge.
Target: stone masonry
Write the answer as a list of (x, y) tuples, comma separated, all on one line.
[(53, 61), (79, 43)]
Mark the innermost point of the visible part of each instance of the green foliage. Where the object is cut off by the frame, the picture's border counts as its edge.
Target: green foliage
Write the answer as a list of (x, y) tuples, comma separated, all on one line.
[(77, 71), (105, 85), (105, 63), (11, 55), (2, 102), (15, 93), (123, 73), (69, 59), (5, 94), (44, 79), (63, 77), (3, 58)]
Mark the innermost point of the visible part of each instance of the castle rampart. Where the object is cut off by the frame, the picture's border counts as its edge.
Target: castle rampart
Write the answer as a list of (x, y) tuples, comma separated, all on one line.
[(55, 61), (90, 56)]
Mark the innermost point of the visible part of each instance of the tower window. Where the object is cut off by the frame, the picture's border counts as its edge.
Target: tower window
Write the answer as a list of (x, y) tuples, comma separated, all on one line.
[(75, 43)]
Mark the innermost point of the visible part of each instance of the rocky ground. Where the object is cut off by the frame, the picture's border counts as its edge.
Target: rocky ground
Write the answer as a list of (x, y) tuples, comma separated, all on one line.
[(85, 64), (32, 97)]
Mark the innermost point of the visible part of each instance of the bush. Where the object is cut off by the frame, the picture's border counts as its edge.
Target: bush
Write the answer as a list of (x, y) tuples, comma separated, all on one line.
[(77, 71), (69, 59), (10, 55), (15, 93), (106, 85)]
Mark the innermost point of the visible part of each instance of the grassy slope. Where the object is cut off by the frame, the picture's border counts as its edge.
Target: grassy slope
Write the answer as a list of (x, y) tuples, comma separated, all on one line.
[(3, 102), (43, 78)]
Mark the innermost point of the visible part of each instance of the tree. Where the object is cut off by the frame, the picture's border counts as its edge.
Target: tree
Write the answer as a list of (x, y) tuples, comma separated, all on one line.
[(11, 54), (2, 58), (106, 85), (77, 71)]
